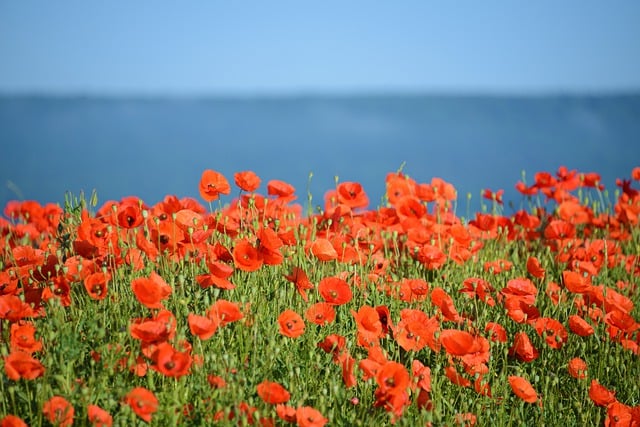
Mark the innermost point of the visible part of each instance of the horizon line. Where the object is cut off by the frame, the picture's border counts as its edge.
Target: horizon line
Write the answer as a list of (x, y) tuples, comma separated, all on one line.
[(292, 94)]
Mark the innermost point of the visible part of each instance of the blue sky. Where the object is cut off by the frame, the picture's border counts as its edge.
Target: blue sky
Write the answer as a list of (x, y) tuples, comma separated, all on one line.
[(293, 47)]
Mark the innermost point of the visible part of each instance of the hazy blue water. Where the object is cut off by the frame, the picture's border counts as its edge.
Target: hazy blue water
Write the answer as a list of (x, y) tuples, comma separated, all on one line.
[(153, 147)]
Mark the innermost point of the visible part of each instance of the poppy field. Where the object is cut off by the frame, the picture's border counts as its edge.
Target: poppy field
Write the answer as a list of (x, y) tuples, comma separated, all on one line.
[(245, 308)]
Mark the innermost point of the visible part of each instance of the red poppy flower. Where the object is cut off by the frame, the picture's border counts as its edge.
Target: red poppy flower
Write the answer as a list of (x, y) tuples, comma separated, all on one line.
[(455, 377), (522, 348), (159, 328), (306, 416), (98, 417), (431, 256), (369, 326), (575, 282), (490, 195), (552, 331), (323, 250), (478, 288), (333, 344), (219, 272), (299, 278), (523, 389), (579, 326), (202, 326), (19, 364), (8, 283), (518, 310), (456, 342), (335, 291), (212, 184), (600, 395), (291, 324), (534, 268), (497, 266), (526, 191), (224, 312), (143, 402), (558, 229), (188, 221), (286, 413), (441, 299), (577, 368), (393, 376), (621, 415), (272, 392), (247, 181), (320, 313), (216, 381), (96, 285), (246, 256), (12, 308), (280, 189), (129, 213), (58, 411), (352, 194), (421, 375), (151, 291), (23, 338), (12, 421), (496, 332), (170, 362)]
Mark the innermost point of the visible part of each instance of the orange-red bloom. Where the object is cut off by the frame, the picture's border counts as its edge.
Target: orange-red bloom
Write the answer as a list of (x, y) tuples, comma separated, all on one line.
[(143, 402), (224, 312), (19, 364), (600, 395), (12, 421), (335, 291), (159, 328), (523, 389), (299, 278), (281, 189), (579, 326), (369, 326), (96, 285), (98, 417), (23, 338), (552, 331), (306, 416), (170, 362), (272, 392), (212, 184), (246, 256), (577, 368), (320, 313), (522, 348), (534, 268), (202, 326), (247, 181), (218, 276), (496, 332), (151, 291), (323, 250), (58, 411), (291, 324), (352, 194)]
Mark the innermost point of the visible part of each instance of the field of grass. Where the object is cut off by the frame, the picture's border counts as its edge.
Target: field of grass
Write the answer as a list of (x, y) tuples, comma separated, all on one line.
[(249, 310)]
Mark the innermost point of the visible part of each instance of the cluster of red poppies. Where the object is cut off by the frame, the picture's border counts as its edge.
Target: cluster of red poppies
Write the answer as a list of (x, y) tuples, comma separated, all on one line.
[(46, 251)]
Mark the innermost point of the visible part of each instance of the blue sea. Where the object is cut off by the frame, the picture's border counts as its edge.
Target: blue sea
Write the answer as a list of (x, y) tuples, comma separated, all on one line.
[(152, 147)]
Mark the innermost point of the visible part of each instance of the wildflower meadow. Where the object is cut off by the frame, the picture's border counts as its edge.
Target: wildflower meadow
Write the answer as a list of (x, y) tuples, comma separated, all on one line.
[(252, 307)]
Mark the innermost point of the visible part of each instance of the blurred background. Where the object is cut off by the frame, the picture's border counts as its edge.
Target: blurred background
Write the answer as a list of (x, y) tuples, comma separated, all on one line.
[(138, 98)]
